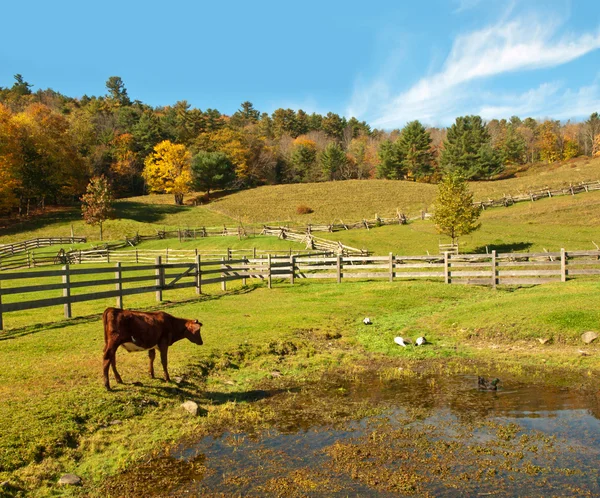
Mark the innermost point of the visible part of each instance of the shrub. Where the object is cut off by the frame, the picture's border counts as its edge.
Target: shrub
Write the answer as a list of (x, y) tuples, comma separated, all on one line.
[(304, 209)]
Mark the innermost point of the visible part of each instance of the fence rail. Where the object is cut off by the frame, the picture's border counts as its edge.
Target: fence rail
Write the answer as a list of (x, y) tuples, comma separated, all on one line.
[(28, 245), (160, 276)]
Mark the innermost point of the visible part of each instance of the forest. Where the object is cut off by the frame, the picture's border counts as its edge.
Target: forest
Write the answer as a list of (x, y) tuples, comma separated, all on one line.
[(51, 145)]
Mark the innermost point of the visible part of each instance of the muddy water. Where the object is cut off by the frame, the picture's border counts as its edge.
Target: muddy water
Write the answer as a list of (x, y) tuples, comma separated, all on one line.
[(431, 436)]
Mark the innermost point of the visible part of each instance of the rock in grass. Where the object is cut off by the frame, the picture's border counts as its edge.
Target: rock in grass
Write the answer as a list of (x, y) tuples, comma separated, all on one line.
[(589, 336), (191, 407), (70, 480)]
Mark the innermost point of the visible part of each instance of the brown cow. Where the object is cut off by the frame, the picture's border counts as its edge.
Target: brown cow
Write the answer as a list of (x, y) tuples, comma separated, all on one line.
[(139, 331)]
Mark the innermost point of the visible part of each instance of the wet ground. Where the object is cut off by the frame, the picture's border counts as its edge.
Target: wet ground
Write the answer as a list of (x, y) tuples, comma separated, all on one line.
[(401, 435), (435, 435)]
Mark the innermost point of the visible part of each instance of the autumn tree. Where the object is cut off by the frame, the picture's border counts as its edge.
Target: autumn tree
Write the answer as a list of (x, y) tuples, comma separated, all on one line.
[(117, 91), (592, 130), (548, 142), (167, 170), (9, 158), (212, 170), (454, 212), (96, 203)]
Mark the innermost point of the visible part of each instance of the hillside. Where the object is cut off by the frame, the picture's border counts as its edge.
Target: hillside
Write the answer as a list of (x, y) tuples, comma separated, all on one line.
[(354, 200)]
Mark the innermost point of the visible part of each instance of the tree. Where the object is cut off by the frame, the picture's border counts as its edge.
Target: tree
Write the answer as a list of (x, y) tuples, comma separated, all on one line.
[(592, 129), (391, 165), (117, 91), (96, 203), (303, 159), (467, 150), (212, 170), (414, 145), (455, 213), (167, 170), (332, 161)]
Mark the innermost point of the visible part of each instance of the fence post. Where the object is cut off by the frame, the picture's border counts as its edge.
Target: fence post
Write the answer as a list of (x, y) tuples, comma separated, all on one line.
[(223, 282), (107, 255), (198, 274), (228, 254), (391, 267), (494, 270), (244, 262), (446, 269), (338, 264), (563, 266), (269, 281), (136, 256), (119, 285), (1, 324), (67, 290), (159, 282), (293, 269)]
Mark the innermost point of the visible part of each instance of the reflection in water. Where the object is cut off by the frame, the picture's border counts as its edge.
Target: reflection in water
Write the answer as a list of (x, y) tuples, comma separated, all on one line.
[(437, 436)]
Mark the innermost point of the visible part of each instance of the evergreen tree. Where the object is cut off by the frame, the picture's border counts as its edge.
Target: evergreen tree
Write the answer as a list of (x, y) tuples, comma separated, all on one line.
[(332, 161), (414, 145), (467, 150), (391, 165), (212, 170), (454, 212)]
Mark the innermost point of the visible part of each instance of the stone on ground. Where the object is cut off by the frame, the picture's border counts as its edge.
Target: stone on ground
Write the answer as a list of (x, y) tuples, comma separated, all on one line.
[(589, 336), (70, 479), (191, 407)]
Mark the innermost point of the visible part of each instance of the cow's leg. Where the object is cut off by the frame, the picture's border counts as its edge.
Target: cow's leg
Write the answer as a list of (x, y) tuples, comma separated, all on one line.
[(152, 355), (113, 363), (109, 359), (163, 359)]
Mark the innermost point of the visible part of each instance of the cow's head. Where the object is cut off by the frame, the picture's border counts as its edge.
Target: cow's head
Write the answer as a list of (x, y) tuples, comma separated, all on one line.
[(192, 331)]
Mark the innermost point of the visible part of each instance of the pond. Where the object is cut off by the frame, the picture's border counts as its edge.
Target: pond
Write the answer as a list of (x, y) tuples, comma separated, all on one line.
[(420, 435)]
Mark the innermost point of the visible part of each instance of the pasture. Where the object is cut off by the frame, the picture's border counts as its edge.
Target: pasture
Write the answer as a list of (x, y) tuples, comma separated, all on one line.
[(58, 418), (262, 345)]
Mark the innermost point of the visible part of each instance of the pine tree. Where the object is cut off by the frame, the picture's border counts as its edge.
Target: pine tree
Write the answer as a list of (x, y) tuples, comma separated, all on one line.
[(454, 212), (414, 145)]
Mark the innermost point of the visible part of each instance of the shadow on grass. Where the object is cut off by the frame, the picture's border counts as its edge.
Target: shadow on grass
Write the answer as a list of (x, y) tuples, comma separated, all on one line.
[(514, 247), (41, 220), (165, 305), (145, 213)]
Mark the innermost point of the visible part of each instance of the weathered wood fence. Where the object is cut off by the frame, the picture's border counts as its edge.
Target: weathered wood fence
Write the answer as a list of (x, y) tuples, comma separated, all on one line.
[(480, 269), (28, 245)]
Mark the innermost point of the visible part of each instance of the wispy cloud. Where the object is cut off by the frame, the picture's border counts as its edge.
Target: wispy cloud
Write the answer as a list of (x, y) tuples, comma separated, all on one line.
[(506, 47), (464, 5)]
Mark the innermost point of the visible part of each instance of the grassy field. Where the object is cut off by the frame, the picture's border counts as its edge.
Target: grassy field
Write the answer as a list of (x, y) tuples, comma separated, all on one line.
[(355, 200), (58, 418)]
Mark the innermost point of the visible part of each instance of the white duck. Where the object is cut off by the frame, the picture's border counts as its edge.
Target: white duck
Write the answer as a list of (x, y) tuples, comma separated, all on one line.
[(367, 321), (420, 341), (402, 342)]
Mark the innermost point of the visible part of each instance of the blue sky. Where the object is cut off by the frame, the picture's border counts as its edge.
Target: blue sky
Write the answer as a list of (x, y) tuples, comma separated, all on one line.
[(387, 62)]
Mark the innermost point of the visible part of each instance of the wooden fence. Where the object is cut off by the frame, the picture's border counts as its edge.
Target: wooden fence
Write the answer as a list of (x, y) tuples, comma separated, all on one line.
[(480, 269), (28, 245)]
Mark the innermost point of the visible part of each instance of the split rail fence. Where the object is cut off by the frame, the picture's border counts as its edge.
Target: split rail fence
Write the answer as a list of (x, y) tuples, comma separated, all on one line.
[(480, 269)]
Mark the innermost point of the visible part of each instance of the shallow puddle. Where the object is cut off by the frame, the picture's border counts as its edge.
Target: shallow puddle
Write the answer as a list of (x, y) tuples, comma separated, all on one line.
[(436, 436)]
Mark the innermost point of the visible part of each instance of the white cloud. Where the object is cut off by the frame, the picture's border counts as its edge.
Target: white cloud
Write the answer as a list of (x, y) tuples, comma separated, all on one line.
[(464, 5), (508, 46)]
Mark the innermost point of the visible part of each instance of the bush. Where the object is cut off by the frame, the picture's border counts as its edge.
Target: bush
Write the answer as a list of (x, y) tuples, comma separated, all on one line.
[(304, 209)]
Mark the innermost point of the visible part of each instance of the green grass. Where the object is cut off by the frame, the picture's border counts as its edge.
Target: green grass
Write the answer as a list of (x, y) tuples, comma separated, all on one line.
[(56, 413), (144, 215)]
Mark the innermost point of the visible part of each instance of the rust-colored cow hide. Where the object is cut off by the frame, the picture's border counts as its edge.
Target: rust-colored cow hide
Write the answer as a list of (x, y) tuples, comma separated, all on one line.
[(139, 331)]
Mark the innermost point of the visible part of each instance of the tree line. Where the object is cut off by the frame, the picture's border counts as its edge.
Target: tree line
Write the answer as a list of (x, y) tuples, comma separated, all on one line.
[(52, 144)]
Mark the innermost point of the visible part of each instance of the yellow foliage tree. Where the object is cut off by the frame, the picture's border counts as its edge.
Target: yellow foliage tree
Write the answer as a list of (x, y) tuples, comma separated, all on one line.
[(168, 170), (596, 148), (9, 152)]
